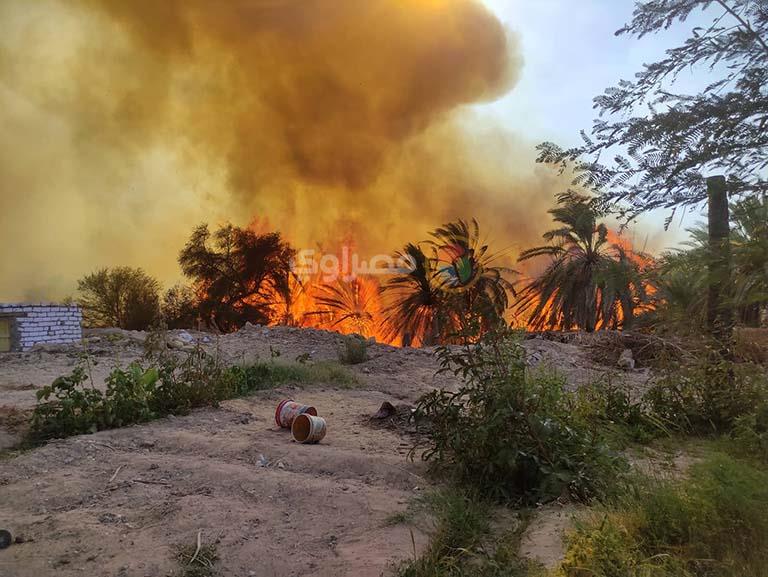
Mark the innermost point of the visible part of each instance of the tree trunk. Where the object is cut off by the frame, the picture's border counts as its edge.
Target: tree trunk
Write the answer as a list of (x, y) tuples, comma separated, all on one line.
[(719, 313)]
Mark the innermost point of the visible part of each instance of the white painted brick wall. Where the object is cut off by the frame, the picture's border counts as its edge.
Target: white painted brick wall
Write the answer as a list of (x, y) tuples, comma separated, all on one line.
[(44, 323)]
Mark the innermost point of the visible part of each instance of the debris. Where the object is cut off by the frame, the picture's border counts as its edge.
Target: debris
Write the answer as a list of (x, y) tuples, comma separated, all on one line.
[(626, 360), (262, 461), (199, 544), (112, 478), (386, 410), (308, 429), (5, 539)]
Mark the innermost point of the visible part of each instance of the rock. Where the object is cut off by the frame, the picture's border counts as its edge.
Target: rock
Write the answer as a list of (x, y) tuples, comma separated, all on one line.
[(386, 410), (626, 360), (185, 337)]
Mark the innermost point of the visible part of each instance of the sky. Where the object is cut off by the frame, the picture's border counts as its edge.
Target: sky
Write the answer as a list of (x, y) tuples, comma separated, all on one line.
[(571, 55)]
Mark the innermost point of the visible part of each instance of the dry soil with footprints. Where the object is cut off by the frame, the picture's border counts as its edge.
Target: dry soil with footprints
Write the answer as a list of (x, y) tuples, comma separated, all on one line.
[(118, 503)]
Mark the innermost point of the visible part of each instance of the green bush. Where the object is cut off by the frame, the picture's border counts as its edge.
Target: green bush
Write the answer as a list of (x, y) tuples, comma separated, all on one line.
[(354, 350), (609, 406), (244, 380), (510, 434), (709, 396), (714, 523), (66, 407), (136, 394)]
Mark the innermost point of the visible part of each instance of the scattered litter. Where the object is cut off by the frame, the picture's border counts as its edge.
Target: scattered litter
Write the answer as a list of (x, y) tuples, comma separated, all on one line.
[(5, 539), (308, 429), (288, 410), (386, 409)]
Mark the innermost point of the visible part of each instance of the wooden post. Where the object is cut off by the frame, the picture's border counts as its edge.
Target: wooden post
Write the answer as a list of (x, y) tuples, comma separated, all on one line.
[(719, 312)]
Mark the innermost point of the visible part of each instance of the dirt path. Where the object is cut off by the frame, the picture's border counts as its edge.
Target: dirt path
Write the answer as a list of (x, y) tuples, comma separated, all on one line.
[(272, 506), (312, 510)]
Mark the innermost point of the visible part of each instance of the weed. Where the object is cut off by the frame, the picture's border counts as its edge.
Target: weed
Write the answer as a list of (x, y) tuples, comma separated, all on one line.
[(461, 544), (509, 433), (247, 379), (197, 562), (136, 394), (707, 397), (714, 523), (353, 350)]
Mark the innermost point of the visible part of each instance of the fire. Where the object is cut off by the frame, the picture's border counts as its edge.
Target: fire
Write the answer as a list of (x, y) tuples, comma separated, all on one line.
[(345, 302), (619, 246)]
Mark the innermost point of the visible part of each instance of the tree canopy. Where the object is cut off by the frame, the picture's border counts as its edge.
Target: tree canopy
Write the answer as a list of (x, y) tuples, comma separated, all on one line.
[(239, 275), (660, 143), (123, 297)]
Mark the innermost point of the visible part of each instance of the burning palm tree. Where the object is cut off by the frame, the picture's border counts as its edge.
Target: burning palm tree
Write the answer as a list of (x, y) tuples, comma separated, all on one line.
[(457, 281), (589, 282)]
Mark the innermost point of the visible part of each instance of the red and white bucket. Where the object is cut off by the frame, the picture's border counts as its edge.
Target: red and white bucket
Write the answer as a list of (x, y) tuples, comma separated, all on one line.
[(288, 410), (308, 428)]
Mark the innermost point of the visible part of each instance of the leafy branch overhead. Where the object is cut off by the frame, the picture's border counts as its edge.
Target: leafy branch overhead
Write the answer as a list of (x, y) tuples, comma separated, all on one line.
[(651, 147)]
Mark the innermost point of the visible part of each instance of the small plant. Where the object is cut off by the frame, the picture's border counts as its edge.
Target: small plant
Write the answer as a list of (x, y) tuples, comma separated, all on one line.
[(462, 544), (713, 523), (66, 407), (353, 350), (708, 397), (509, 433), (197, 560), (609, 406)]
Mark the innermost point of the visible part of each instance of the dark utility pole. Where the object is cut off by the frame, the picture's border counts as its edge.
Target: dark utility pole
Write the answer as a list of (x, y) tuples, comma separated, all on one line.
[(719, 313)]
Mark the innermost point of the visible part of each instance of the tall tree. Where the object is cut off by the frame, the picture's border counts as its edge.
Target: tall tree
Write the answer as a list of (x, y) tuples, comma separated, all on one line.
[(668, 151), (678, 138), (122, 297), (453, 277), (239, 275), (589, 282), (416, 309)]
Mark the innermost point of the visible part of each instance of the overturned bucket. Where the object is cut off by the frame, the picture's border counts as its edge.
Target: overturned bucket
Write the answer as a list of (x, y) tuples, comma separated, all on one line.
[(288, 410), (308, 428)]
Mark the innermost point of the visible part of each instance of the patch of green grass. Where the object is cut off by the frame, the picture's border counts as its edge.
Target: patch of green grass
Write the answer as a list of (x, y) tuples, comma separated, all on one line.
[(271, 374), (462, 544), (712, 523), (196, 563)]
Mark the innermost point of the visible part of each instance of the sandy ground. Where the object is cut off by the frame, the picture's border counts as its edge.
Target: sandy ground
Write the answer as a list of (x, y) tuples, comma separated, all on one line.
[(119, 502)]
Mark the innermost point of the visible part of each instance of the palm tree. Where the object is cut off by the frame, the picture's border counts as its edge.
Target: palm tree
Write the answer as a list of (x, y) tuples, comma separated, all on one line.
[(681, 277), (589, 282), (416, 306), (457, 280), (465, 269), (353, 306)]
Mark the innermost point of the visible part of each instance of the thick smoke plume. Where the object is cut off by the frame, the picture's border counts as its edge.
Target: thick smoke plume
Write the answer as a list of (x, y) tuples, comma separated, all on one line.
[(126, 123)]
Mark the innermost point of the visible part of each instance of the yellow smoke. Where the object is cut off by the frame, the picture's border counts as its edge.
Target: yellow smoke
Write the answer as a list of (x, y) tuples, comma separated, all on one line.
[(126, 123)]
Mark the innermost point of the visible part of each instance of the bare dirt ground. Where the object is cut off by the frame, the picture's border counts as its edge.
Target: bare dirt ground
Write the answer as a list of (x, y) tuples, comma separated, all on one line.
[(119, 502)]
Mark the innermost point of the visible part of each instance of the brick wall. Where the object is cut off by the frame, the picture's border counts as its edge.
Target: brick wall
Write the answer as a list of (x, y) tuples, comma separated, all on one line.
[(33, 324)]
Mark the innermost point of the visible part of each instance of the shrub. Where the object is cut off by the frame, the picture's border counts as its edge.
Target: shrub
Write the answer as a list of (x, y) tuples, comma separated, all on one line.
[(121, 297), (709, 396), (179, 308), (171, 386), (462, 545), (510, 434), (353, 350), (713, 524), (74, 409), (609, 406)]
